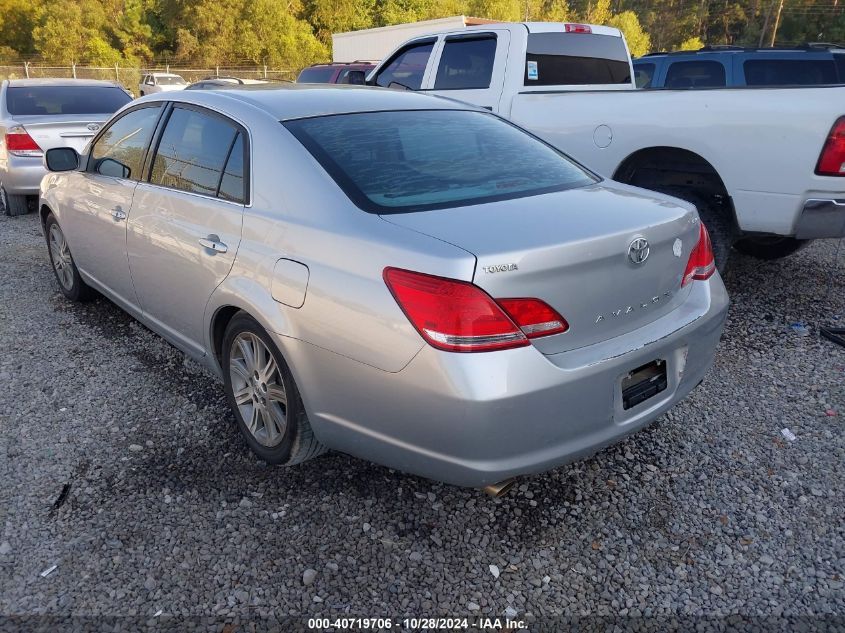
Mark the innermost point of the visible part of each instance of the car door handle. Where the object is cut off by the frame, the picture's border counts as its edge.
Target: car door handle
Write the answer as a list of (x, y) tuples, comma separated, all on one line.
[(118, 215), (213, 243)]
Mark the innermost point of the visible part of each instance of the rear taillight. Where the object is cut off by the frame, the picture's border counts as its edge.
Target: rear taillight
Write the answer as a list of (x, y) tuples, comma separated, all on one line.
[(577, 28), (457, 316), (20, 143), (701, 264), (534, 317), (832, 159)]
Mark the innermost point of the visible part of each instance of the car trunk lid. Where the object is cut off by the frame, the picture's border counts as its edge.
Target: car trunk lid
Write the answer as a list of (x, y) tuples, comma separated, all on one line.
[(62, 130), (573, 250)]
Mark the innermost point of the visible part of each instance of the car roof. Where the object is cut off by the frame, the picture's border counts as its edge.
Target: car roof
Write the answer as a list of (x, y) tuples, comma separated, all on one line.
[(295, 101), (822, 49), (62, 82), (155, 74)]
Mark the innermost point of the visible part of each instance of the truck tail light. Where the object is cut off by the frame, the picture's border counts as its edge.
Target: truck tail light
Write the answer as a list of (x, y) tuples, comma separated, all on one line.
[(701, 264), (832, 159), (577, 28), (457, 316), (20, 143)]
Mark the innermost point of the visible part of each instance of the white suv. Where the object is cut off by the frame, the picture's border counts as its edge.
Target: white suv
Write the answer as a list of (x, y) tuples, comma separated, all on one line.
[(160, 82)]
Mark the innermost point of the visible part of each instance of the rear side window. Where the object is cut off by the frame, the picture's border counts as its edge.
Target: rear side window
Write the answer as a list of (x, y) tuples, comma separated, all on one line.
[(695, 74), (789, 72), (193, 152), (569, 59), (232, 184), (466, 63), (643, 74), (404, 161), (318, 75), (407, 67), (34, 100), (119, 150)]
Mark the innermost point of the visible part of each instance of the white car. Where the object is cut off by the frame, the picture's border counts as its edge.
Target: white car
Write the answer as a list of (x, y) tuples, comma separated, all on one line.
[(160, 82)]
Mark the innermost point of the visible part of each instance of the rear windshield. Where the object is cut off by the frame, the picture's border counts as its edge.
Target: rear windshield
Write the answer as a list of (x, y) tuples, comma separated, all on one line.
[(26, 100), (169, 81), (789, 72), (569, 59), (404, 161), (320, 75)]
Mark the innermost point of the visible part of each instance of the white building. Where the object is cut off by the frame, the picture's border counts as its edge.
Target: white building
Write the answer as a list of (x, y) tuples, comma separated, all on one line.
[(375, 44)]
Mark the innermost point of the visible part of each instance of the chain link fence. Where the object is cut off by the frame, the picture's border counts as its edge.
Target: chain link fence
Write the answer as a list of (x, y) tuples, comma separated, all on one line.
[(130, 77)]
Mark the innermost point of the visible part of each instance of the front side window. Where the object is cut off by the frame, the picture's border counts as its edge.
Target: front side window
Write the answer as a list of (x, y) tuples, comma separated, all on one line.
[(405, 161), (120, 149), (643, 74), (407, 68), (789, 72), (696, 74), (466, 64), (28, 100), (193, 152), (575, 59)]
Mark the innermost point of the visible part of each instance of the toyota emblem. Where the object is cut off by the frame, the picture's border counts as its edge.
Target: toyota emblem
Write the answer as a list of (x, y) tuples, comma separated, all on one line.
[(93, 127), (638, 251)]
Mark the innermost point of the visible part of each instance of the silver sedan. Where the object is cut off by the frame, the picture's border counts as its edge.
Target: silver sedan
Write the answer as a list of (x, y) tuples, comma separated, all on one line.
[(37, 114), (397, 276)]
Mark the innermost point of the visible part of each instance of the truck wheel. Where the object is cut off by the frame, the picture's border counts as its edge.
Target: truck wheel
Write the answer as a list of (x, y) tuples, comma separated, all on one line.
[(769, 246), (13, 204), (719, 226), (264, 397)]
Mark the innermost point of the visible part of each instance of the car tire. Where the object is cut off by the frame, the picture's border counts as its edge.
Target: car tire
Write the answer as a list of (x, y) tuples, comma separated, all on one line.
[(769, 246), (13, 204), (264, 397), (61, 260), (719, 225)]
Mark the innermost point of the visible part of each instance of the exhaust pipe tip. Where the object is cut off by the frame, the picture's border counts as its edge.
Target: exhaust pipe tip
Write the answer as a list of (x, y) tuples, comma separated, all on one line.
[(499, 489)]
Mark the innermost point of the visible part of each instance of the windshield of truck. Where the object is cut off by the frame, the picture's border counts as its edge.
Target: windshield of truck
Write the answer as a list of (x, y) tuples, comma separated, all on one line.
[(316, 75), (576, 59), (404, 161), (170, 80)]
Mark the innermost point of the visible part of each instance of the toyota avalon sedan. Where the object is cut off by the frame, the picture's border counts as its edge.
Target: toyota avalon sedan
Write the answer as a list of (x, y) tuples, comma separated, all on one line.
[(401, 277)]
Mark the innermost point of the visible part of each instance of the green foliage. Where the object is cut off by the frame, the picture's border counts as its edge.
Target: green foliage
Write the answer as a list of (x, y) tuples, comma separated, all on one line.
[(639, 41), (294, 33), (691, 44)]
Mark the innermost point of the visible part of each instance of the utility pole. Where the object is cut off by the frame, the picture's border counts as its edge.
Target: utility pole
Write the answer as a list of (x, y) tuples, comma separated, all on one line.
[(777, 23)]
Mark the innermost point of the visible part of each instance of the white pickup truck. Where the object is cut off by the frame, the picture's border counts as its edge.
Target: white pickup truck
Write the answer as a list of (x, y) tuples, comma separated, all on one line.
[(764, 166)]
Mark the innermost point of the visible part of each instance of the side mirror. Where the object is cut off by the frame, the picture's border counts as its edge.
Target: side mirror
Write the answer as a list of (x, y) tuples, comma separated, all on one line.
[(113, 168), (356, 78), (61, 159)]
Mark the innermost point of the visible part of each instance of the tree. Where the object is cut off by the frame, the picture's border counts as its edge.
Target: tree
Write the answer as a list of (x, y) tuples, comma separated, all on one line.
[(270, 34), (73, 32), (691, 44), (639, 42)]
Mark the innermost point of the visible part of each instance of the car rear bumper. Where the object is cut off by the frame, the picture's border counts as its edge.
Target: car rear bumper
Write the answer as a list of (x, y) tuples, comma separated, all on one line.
[(476, 419), (22, 175), (821, 217)]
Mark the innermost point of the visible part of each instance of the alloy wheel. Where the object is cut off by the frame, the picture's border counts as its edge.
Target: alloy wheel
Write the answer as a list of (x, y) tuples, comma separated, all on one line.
[(60, 254), (258, 389)]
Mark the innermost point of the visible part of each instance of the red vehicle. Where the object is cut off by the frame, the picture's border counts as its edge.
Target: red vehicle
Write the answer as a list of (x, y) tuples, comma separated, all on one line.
[(335, 73)]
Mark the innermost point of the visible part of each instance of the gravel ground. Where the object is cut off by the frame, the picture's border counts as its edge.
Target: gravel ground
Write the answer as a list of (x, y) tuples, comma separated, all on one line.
[(122, 467)]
